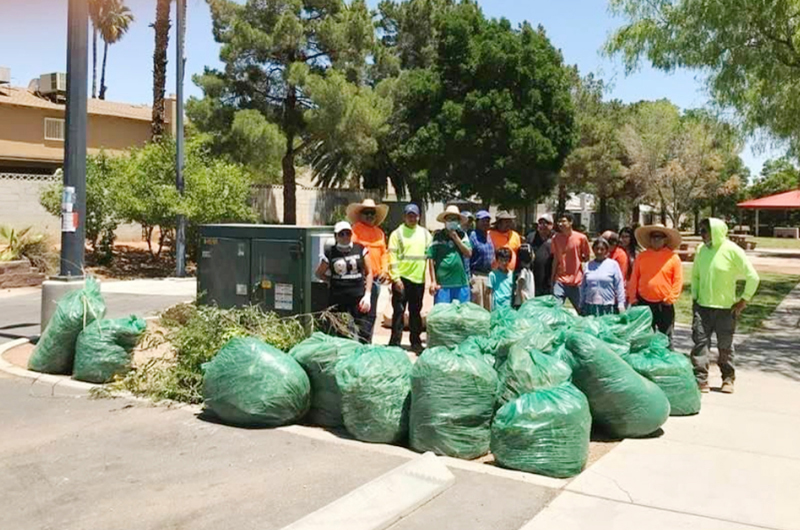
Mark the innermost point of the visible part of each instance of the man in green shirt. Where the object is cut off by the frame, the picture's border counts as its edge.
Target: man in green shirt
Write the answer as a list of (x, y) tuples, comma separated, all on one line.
[(408, 247), (447, 256)]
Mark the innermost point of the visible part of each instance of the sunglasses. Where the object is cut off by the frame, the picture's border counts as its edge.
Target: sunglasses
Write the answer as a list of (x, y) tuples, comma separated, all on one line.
[(368, 213), (345, 233), (544, 222), (658, 236)]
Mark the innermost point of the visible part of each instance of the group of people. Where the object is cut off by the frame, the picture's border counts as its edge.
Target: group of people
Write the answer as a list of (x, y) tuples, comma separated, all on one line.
[(492, 265)]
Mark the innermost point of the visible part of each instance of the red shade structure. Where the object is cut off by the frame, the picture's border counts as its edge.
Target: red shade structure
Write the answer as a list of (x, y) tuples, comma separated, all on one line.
[(788, 200)]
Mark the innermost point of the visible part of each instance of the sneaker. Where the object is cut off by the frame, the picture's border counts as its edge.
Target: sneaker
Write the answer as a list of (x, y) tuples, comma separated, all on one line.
[(704, 388), (727, 387), (417, 348)]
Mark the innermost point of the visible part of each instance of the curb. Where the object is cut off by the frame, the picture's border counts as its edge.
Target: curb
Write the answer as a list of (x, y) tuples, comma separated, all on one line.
[(62, 381)]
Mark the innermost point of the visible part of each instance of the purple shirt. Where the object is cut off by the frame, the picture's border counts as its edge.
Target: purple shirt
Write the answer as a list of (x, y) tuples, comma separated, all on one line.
[(603, 284)]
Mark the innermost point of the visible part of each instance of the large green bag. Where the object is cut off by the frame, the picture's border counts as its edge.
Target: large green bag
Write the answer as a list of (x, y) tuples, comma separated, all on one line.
[(527, 370), (547, 310), (545, 432), (55, 351), (486, 347), (631, 325), (250, 383), (105, 348), (622, 402), (673, 374), (522, 329), (451, 324), (375, 383), (318, 356), (452, 403)]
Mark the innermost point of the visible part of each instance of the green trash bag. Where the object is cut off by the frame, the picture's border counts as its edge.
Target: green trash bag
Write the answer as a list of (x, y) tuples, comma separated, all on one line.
[(451, 324), (503, 317), (522, 329), (375, 383), (545, 432), (673, 374), (318, 356), (527, 370), (250, 383), (631, 325), (105, 349), (452, 403), (549, 312), (483, 346), (55, 351), (622, 402), (653, 340)]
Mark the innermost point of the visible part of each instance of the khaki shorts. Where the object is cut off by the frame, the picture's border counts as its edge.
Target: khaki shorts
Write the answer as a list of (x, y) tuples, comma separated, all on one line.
[(480, 291)]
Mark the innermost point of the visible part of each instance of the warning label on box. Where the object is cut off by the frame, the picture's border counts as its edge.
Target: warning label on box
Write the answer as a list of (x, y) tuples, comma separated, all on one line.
[(284, 296)]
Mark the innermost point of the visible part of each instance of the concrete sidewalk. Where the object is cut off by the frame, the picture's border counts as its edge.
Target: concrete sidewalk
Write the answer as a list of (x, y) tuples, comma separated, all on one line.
[(736, 465)]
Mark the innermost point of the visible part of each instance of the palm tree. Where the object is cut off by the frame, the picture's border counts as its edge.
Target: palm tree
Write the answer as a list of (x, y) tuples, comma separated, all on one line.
[(115, 19), (161, 27)]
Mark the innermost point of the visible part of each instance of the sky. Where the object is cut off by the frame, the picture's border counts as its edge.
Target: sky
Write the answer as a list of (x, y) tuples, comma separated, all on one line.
[(33, 36)]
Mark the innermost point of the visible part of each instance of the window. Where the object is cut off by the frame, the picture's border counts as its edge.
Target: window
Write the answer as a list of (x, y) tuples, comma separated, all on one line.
[(54, 129)]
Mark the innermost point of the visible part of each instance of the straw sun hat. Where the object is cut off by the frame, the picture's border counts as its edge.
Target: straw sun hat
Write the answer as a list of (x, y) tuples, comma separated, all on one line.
[(643, 235), (354, 211)]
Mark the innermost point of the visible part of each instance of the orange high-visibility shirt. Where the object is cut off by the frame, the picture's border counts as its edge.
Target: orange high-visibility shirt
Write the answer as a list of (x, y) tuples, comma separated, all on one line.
[(373, 238), (510, 240), (657, 276)]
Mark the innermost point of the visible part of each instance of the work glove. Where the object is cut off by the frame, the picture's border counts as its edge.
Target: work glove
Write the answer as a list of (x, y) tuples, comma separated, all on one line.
[(365, 304)]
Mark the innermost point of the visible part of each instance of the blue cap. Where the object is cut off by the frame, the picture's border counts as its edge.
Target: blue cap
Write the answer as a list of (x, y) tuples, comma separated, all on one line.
[(411, 208), (483, 214)]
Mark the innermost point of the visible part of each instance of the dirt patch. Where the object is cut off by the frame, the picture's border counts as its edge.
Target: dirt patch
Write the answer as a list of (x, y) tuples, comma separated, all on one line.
[(134, 261)]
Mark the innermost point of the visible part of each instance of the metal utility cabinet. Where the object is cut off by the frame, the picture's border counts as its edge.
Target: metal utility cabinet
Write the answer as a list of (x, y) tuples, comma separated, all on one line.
[(268, 265)]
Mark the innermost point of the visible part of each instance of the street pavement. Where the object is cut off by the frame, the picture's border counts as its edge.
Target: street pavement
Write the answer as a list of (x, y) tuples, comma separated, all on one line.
[(69, 462)]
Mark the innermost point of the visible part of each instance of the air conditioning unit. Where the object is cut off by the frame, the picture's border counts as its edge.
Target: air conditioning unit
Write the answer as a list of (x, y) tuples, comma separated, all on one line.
[(5, 75), (55, 83)]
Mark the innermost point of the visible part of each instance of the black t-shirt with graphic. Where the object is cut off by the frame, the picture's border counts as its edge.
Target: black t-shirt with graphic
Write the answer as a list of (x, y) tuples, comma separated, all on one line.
[(348, 277)]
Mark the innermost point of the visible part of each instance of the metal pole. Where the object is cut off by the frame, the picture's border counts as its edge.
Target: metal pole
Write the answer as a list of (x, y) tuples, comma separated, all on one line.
[(74, 200), (180, 237)]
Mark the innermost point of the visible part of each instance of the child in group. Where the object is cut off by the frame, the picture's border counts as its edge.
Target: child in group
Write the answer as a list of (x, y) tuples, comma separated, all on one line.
[(501, 281), (525, 288)]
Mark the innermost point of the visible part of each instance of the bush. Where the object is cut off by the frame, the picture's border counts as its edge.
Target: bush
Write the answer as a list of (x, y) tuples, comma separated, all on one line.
[(24, 244)]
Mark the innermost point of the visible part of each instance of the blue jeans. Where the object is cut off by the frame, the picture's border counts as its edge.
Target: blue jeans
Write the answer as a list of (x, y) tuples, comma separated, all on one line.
[(571, 292), (445, 295)]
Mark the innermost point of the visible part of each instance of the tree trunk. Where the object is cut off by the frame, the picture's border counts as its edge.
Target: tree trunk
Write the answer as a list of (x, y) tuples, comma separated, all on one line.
[(635, 215), (602, 215), (663, 214), (561, 207), (696, 220), (94, 62), (103, 72), (161, 27), (290, 120)]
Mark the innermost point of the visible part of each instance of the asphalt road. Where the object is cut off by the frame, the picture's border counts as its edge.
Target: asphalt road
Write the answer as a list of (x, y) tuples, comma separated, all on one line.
[(72, 463)]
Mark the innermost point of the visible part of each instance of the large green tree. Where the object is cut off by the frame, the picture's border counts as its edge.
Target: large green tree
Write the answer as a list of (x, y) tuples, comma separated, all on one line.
[(277, 55), (491, 116), (749, 49)]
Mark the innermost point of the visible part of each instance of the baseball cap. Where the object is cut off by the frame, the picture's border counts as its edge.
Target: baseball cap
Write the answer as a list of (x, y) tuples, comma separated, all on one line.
[(411, 208), (547, 217), (483, 214), (342, 225), (467, 214)]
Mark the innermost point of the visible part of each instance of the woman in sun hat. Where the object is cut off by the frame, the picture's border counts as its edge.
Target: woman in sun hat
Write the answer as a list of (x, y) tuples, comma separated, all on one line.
[(657, 277), (446, 256), (366, 218), (504, 236), (346, 267)]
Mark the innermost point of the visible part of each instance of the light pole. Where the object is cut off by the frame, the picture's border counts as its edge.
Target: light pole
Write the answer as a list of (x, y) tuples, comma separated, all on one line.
[(73, 202), (180, 236)]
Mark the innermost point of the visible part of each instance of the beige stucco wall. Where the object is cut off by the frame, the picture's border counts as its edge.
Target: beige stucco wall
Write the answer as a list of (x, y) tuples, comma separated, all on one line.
[(22, 134)]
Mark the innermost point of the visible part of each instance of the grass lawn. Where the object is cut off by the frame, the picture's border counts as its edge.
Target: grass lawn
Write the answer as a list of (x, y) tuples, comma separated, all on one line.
[(776, 242), (773, 289)]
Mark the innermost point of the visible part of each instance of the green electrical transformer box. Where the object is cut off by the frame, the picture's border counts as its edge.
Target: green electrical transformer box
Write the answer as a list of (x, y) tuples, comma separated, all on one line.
[(267, 265)]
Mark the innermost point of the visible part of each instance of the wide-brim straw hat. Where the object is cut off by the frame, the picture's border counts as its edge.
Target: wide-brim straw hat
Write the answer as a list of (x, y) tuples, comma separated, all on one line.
[(450, 210), (673, 236), (354, 211)]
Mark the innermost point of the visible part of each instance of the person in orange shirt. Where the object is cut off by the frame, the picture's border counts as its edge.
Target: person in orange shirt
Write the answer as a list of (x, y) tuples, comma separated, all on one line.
[(366, 218), (616, 252), (657, 278), (570, 250), (503, 236)]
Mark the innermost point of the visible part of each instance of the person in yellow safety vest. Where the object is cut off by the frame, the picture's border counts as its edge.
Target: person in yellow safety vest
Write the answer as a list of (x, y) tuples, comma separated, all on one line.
[(408, 247)]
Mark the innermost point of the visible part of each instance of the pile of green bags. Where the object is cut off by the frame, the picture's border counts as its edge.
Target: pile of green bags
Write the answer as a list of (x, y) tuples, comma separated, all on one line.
[(526, 370), (452, 403), (451, 324), (622, 402), (375, 387), (545, 432), (633, 324), (672, 372), (104, 349), (318, 356), (548, 311), (251, 383), (55, 351)]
